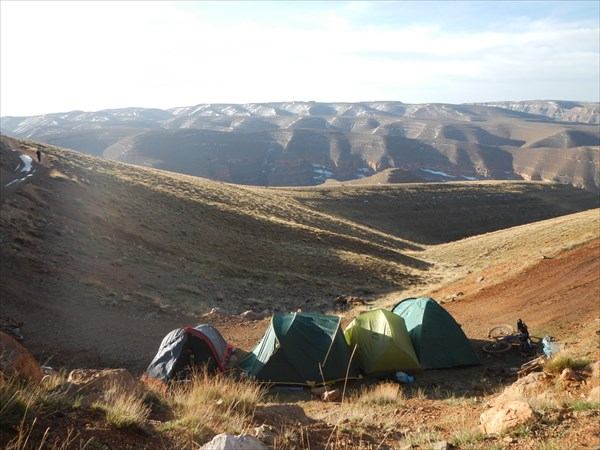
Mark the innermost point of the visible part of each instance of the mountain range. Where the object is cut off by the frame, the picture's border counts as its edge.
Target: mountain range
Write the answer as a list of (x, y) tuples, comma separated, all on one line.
[(312, 143)]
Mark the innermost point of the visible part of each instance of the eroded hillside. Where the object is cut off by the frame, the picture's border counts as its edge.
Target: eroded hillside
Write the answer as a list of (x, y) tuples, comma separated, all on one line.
[(308, 143)]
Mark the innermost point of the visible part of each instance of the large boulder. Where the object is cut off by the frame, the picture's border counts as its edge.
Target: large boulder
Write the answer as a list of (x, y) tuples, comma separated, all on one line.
[(506, 416), (15, 360)]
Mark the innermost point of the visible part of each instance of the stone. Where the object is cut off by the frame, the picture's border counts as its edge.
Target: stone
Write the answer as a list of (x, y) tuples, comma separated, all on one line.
[(250, 315), (265, 433), (16, 360), (216, 310), (331, 396), (594, 369), (506, 416), (441, 445), (227, 441), (569, 375), (594, 395), (532, 386)]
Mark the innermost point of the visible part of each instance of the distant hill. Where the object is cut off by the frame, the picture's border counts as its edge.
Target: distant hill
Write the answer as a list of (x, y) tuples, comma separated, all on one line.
[(309, 143)]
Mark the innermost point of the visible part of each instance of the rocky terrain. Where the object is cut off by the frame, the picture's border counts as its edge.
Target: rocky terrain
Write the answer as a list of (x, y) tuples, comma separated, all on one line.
[(309, 143)]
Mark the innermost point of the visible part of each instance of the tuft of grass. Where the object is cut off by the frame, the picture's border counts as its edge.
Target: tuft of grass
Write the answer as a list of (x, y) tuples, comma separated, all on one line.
[(123, 407), (521, 431), (381, 394), (209, 402), (583, 406), (465, 438), (562, 361), (20, 401), (418, 394), (425, 439)]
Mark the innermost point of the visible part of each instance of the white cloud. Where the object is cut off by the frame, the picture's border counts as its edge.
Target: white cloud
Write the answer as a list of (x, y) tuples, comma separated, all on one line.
[(88, 55)]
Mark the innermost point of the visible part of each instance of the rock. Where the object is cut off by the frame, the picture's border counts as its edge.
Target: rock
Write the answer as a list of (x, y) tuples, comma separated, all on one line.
[(331, 396), (250, 315), (594, 369), (266, 434), (226, 441), (15, 360), (569, 375), (441, 445), (532, 386), (216, 310), (506, 416), (594, 395)]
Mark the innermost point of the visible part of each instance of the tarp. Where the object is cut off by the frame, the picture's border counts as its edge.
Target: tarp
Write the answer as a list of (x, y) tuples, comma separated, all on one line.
[(300, 348), (382, 343), (437, 338)]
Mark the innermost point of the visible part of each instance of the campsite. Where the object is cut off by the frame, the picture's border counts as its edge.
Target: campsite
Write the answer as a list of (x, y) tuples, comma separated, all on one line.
[(120, 282)]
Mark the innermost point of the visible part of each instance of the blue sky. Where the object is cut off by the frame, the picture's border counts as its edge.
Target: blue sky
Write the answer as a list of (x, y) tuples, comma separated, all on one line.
[(63, 56)]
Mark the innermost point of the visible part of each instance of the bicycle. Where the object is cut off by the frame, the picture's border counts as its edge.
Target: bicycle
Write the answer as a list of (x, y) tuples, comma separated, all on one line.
[(504, 338)]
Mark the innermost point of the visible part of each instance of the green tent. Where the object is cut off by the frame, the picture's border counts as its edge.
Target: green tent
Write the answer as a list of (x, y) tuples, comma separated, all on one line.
[(382, 343), (301, 348), (437, 338)]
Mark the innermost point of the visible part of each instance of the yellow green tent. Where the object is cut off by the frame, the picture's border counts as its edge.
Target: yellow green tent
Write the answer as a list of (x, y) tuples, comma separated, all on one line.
[(382, 343)]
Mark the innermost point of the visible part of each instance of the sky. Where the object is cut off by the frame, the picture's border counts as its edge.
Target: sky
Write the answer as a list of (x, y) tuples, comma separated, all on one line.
[(93, 55)]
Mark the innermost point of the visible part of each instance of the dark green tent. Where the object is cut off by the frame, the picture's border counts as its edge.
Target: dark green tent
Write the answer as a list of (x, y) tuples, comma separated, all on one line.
[(300, 348), (437, 338)]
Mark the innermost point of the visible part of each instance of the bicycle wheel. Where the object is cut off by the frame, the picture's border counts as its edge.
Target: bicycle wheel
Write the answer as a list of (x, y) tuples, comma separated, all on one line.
[(500, 331), (494, 348)]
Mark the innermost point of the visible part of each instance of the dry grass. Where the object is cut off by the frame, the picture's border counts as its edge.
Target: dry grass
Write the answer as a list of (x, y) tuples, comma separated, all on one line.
[(19, 400), (565, 360), (206, 403), (382, 394), (123, 407)]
